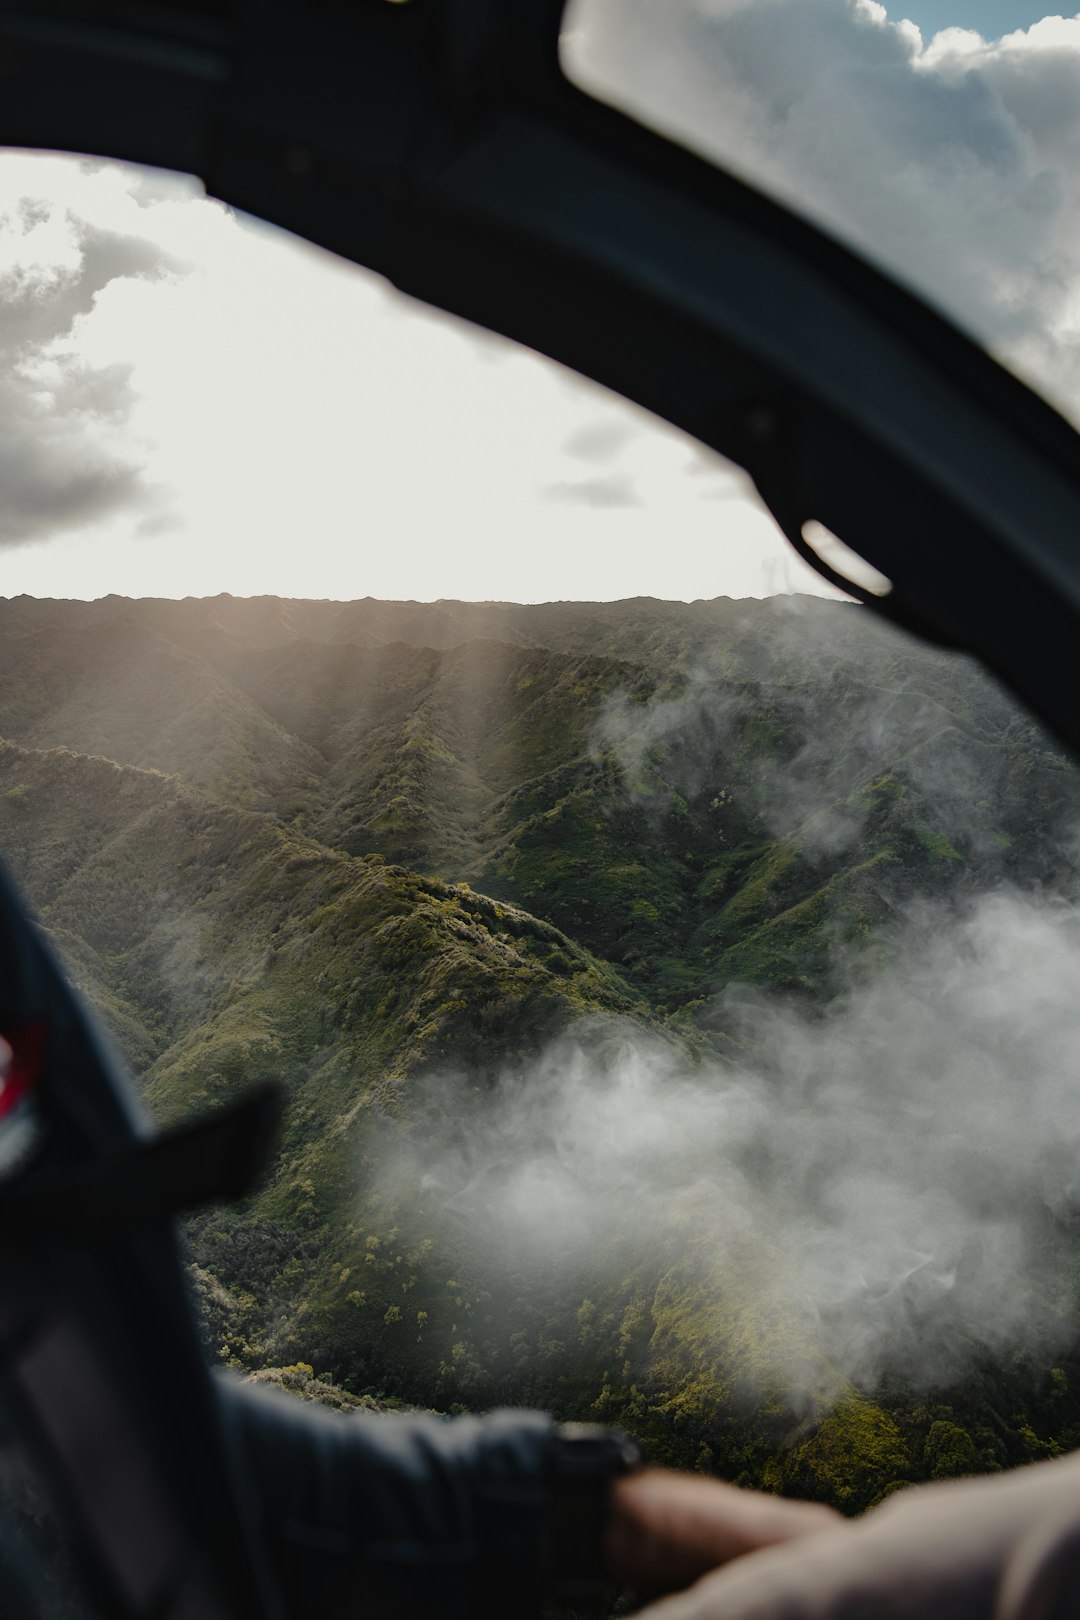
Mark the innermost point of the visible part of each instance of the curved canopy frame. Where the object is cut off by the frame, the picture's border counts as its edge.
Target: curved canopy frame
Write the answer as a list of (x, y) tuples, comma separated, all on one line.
[(439, 143)]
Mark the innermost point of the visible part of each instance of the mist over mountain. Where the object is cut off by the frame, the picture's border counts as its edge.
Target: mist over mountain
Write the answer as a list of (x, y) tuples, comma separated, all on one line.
[(674, 1003)]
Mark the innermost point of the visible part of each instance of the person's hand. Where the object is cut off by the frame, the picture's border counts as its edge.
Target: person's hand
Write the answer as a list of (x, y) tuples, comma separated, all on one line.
[(1000, 1548), (668, 1529)]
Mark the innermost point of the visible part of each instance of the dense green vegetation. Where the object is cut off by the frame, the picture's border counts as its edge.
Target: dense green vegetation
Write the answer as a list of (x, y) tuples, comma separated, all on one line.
[(367, 848)]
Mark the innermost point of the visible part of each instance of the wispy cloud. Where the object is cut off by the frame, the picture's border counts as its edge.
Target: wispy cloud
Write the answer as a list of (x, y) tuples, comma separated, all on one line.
[(614, 491), (598, 441)]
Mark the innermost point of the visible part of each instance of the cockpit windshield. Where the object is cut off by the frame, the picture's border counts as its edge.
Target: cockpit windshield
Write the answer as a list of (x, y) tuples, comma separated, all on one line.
[(669, 968)]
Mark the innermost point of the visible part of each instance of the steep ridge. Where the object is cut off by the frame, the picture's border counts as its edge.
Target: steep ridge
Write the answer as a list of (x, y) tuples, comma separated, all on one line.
[(421, 743), (642, 629), (207, 917), (655, 801), (707, 793), (220, 949), (121, 689)]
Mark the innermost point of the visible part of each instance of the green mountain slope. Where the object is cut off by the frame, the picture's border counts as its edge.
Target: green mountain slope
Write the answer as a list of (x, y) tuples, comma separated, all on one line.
[(120, 689), (420, 744), (221, 948), (252, 827), (700, 793), (663, 631), (233, 939)]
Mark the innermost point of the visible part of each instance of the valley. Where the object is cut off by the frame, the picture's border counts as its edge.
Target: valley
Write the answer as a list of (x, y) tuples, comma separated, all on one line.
[(420, 861)]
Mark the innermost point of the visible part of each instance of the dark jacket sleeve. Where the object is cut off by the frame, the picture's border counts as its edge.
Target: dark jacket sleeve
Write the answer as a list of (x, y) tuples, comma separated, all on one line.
[(365, 1515)]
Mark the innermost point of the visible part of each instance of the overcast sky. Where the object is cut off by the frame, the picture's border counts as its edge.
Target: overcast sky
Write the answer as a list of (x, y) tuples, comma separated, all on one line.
[(192, 402)]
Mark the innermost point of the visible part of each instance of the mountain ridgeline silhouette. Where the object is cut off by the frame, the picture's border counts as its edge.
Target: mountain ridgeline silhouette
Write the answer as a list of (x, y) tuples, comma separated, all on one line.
[(675, 1004)]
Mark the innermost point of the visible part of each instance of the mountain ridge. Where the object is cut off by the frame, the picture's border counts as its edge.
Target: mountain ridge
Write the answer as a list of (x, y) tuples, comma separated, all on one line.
[(393, 875)]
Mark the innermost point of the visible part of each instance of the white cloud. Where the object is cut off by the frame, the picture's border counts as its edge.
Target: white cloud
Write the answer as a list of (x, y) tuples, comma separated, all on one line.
[(64, 458), (869, 1191), (954, 161)]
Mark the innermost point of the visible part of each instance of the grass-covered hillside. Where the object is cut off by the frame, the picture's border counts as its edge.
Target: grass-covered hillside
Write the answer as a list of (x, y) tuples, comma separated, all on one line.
[(699, 792), (388, 852)]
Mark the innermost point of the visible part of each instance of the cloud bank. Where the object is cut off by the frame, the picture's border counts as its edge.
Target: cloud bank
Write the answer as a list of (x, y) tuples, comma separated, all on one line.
[(954, 160), (886, 1189)]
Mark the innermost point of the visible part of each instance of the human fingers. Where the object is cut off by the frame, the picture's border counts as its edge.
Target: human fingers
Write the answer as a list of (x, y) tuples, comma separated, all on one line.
[(667, 1529)]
